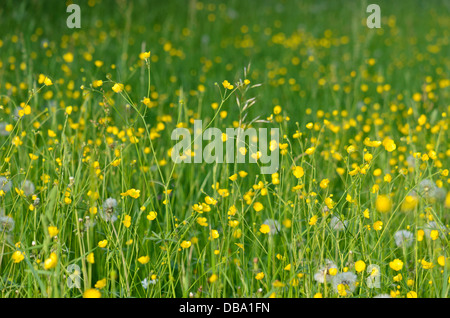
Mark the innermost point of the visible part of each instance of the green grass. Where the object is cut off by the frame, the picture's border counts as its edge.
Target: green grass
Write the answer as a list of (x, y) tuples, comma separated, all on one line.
[(316, 59)]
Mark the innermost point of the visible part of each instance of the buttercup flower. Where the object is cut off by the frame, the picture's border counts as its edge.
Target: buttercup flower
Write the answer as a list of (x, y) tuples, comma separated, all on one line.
[(396, 264), (118, 88), (92, 293)]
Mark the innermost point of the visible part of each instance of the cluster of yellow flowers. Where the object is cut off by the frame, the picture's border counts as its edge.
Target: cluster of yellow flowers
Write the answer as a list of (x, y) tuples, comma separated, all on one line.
[(360, 194)]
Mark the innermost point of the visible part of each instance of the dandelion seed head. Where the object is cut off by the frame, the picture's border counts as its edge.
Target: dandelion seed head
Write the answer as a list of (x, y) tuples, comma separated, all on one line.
[(337, 224), (28, 187), (109, 213), (5, 184), (323, 272), (403, 238), (347, 279)]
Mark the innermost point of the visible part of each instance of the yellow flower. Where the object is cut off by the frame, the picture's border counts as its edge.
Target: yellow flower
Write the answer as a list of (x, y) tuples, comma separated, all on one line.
[(232, 210), (259, 276), (52, 231), (117, 88), (145, 55), (410, 203), (198, 208), (51, 262), (383, 203), (17, 257), (92, 293), (101, 283), (209, 200), (48, 82), (16, 141), (132, 193), (144, 259), (441, 260), (366, 213), (214, 234), (278, 284), (298, 172), (186, 244), (329, 202), (243, 174), (318, 295), (127, 221), (368, 157), (324, 183), (223, 192), (422, 120), (426, 265), (332, 271), (389, 144), (351, 149), (90, 258), (68, 57), (9, 127), (287, 223), (202, 222), (256, 155), (264, 229), (342, 290), (411, 294), (420, 235), (152, 215), (116, 162), (98, 83), (243, 150), (313, 220), (103, 243), (378, 225), (213, 278), (349, 198), (360, 266), (227, 85), (434, 234), (396, 264), (26, 110), (257, 206), (240, 245), (41, 78), (310, 150)]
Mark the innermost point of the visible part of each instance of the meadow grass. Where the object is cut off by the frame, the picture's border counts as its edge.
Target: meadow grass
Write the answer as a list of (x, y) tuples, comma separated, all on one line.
[(358, 208)]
